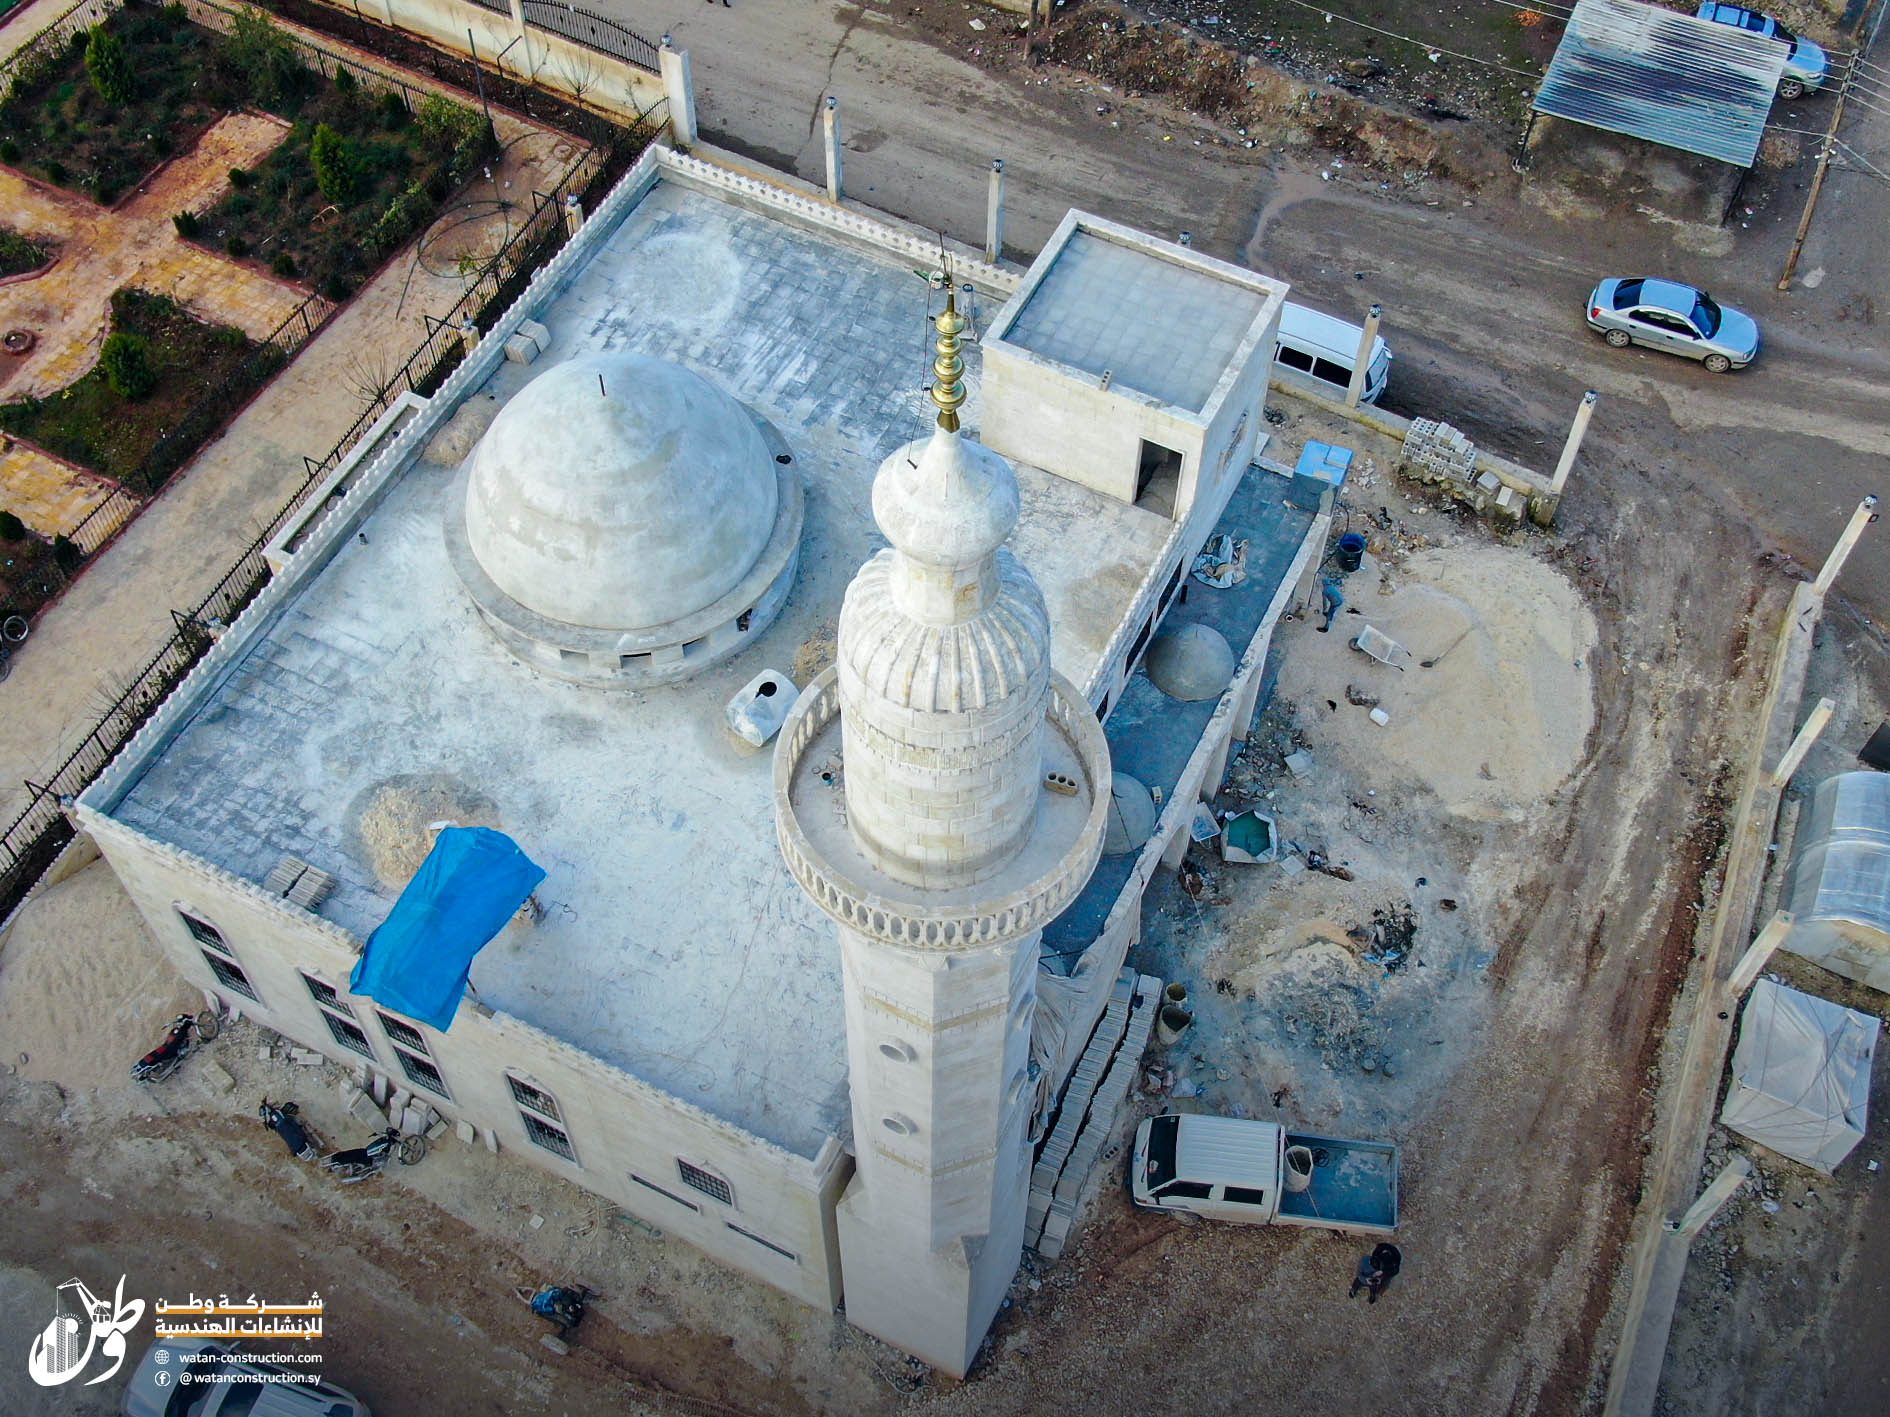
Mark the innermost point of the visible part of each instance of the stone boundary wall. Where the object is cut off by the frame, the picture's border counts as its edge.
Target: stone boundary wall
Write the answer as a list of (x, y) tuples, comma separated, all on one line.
[(1530, 489)]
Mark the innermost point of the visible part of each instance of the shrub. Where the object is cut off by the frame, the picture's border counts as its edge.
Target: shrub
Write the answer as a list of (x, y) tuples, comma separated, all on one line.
[(161, 142), (336, 163), (9, 150), (66, 554), (109, 66), (126, 360), (453, 131), (186, 224), (282, 263), (237, 247), (55, 172), (345, 81), (11, 527), (393, 111), (239, 177), (336, 288), (263, 57)]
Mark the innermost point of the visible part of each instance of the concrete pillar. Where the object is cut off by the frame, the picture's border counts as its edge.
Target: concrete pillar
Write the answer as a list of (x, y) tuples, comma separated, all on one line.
[(1575, 433), (1865, 514), (468, 336), (994, 214), (1713, 1197), (1807, 735), (932, 1223), (1361, 362), (1186, 239), (518, 18), (679, 87), (1179, 843), (830, 123), (573, 213), (1759, 952)]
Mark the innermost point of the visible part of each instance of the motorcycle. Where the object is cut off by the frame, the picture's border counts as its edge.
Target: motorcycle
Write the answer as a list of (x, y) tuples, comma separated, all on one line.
[(187, 1032), (562, 1305), (286, 1122), (359, 1163)]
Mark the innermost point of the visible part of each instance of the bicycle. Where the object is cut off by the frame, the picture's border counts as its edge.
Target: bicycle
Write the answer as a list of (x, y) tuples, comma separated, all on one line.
[(13, 629)]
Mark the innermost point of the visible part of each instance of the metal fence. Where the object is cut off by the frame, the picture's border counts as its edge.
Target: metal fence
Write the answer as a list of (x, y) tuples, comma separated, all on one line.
[(593, 31), (219, 17), (51, 43)]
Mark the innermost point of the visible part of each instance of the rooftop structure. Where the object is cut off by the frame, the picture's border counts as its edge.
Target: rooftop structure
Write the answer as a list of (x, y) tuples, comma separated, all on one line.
[(535, 601)]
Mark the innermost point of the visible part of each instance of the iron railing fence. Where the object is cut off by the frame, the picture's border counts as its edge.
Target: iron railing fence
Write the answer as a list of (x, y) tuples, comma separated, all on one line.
[(593, 31)]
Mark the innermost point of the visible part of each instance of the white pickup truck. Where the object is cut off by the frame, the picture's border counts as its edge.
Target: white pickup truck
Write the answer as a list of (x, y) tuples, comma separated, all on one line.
[(1258, 1173)]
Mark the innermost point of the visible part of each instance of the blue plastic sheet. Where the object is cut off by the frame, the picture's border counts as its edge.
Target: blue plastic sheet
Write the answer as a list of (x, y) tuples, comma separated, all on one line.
[(471, 883)]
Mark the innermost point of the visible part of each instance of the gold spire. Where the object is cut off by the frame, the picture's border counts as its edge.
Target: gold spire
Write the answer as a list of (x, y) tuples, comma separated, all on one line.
[(948, 369)]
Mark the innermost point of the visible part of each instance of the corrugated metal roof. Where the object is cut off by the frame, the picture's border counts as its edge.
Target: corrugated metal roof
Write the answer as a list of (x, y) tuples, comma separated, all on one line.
[(1670, 78)]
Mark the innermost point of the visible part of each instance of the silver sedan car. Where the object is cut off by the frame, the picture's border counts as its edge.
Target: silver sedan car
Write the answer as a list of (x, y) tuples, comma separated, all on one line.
[(1666, 315)]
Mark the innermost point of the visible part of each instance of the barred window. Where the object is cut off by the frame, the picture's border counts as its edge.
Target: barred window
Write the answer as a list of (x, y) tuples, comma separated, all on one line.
[(536, 1098), (202, 931), (230, 975), (326, 995), (551, 1138), (765, 1244), (422, 1073), (665, 1194), (404, 1034), (707, 1182), (348, 1034)]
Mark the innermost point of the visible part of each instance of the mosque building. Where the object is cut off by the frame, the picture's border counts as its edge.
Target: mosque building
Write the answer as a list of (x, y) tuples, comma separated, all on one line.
[(788, 590)]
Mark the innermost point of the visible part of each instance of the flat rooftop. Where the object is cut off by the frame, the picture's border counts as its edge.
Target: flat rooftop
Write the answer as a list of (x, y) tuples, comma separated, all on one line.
[(669, 911), (1160, 328)]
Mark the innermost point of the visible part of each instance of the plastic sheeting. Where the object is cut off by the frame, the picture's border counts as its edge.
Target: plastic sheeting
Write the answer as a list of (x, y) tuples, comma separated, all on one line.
[(470, 885), (1801, 1075)]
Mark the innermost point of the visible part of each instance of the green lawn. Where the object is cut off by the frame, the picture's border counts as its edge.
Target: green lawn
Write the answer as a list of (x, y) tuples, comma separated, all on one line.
[(91, 425)]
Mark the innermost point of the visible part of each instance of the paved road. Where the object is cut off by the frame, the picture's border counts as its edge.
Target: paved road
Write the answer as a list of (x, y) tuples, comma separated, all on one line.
[(1483, 302)]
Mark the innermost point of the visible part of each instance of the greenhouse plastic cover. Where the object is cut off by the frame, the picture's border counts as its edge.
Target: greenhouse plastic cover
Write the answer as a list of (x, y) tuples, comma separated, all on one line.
[(1801, 1075), (470, 885)]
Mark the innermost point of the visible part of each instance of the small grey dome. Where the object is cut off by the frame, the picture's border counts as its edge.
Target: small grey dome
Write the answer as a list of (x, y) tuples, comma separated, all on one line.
[(619, 491), (1190, 662), (1131, 816)]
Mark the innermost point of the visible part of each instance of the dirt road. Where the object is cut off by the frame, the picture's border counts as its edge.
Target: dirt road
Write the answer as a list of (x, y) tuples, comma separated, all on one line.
[(1483, 302)]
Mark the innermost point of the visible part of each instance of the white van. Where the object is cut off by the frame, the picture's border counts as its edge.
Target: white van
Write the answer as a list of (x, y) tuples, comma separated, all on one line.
[(1323, 347)]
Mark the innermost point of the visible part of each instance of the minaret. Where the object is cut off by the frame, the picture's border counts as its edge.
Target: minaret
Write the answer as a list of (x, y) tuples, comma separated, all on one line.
[(941, 792)]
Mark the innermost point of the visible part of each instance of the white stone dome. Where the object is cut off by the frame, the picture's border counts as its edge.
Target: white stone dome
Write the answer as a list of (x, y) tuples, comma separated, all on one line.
[(619, 491)]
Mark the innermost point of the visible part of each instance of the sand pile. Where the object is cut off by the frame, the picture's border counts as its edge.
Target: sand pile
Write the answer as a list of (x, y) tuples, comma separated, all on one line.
[(462, 431), (1498, 722), (396, 818), (84, 990)]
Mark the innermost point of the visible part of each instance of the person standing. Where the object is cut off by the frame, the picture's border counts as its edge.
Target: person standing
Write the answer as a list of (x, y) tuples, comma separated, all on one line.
[(1375, 1271)]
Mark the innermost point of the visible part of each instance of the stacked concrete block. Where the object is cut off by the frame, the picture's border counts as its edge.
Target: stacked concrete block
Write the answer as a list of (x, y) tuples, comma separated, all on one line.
[(1079, 1096), (1436, 452)]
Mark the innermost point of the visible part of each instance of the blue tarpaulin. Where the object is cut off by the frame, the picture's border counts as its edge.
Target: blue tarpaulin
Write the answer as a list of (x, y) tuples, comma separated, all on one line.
[(471, 883)]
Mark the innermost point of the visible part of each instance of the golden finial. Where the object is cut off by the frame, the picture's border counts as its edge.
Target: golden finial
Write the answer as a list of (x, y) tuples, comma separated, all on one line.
[(948, 369)]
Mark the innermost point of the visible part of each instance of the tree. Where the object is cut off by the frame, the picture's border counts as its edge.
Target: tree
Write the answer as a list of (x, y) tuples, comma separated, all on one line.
[(263, 57), (457, 133), (126, 360), (109, 66), (337, 165)]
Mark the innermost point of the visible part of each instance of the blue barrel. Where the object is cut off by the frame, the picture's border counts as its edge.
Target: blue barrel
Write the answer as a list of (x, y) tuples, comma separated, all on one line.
[(1351, 552)]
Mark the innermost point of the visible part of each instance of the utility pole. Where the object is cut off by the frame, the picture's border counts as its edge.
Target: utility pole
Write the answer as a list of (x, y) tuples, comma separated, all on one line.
[(1817, 178)]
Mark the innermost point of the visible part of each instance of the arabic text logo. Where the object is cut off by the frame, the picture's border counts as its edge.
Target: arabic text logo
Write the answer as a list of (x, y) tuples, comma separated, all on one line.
[(56, 1355)]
